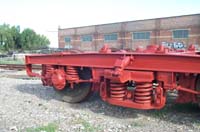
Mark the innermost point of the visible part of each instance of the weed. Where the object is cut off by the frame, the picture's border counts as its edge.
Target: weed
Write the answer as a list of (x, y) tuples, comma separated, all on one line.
[(196, 123), (51, 127), (137, 124), (88, 127)]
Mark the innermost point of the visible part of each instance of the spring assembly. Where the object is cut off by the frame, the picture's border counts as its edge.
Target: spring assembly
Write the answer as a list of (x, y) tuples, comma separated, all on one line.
[(143, 93), (49, 69), (72, 73), (117, 90)]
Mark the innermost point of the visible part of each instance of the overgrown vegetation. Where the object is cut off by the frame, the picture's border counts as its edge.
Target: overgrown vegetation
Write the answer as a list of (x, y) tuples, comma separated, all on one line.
[(12, 39), (51, 127)]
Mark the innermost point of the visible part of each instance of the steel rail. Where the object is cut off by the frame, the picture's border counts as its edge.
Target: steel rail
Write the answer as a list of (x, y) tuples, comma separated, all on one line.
[(18, 67)]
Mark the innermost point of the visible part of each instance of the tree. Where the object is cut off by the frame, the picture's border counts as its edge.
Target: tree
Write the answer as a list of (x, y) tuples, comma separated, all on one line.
[(7, 41), (16, 36), (28, 37), (43, 41), (31, 40), (12, 39)]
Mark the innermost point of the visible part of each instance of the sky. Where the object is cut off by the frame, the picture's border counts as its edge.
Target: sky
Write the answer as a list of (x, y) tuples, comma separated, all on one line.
[(45, 16)]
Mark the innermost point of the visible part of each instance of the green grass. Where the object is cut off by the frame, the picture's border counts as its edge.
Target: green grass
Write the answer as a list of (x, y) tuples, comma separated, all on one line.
[(137, 124), (196, 123), (10, 61), (87, 126), (51, 127)]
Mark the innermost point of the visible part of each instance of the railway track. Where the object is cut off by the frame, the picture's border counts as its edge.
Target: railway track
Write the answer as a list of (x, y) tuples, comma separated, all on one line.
[(18, 67)]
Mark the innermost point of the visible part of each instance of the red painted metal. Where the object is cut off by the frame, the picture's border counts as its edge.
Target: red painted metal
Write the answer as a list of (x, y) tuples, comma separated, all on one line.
[(143, 93), (117, 90), (58, 79), (71, 73), (137, 79)]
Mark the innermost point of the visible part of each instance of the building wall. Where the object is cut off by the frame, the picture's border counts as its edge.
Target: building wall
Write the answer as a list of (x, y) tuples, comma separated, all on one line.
[(161, 31)]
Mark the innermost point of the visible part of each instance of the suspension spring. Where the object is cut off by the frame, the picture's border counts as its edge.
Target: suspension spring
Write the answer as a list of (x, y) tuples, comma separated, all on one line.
[(72, 73), (143, 93), (49, 69), (117, 90)]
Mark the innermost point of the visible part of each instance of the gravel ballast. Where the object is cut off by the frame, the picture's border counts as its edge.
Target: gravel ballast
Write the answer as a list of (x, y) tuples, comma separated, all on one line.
[(25, 104)]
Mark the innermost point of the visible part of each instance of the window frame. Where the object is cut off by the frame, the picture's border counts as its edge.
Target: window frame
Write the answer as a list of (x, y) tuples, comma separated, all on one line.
[(137, 39), (183, 33), (106, 40), (86, 41), (68, 38)]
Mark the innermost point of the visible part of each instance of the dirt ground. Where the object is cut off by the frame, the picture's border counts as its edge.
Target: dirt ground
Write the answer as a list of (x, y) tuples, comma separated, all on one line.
[(26, 105)]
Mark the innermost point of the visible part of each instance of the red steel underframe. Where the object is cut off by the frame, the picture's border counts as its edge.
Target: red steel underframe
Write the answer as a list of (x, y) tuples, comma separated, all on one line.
[(163, 64), (147, 62)]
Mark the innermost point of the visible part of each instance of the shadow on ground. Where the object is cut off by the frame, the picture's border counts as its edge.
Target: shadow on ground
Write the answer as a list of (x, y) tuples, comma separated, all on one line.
[(175, 113), (45, 93)]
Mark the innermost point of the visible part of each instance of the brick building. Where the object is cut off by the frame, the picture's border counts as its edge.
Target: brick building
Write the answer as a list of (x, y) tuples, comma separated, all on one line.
[(176, 32)]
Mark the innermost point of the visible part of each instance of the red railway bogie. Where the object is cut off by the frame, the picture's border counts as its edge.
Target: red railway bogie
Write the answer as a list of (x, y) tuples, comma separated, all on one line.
[(137, 79)]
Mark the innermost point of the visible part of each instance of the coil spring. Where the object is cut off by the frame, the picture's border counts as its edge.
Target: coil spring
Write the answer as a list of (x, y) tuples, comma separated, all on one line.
[(143, 93), (72, 72), (49, 69), (117, 90)]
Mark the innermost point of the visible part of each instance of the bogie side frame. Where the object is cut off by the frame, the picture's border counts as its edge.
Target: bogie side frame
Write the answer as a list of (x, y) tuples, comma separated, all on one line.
[(137, 79)]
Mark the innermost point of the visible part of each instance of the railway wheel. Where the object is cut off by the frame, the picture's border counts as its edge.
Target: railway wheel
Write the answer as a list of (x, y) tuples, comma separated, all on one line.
[(80, 91), (197, 86)]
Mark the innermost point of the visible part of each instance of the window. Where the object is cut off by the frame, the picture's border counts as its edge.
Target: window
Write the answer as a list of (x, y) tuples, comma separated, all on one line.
[(141, 35), (110, 37), (86, 38), (67, 39), (180, 33)]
